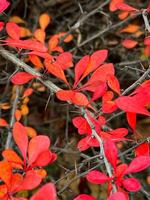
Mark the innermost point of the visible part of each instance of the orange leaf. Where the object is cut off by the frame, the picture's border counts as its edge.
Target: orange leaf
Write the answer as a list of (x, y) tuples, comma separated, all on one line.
[(123, 15), (13, 30), (5, 172), (24, 110), (113, 3), (113, 83), (53, 42), (25, 32), (31, 131), (56, 71), (40, 35), (68, 38), (27, 92), (17, 20), (18, 114), (11, 156), (44, 20), (3, 122), (21, 138), (129, 44), (36, 61), (131, 28), (3, 191)]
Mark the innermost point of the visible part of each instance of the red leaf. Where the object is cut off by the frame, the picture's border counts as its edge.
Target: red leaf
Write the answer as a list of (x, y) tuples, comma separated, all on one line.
[(108, 106), (101, 74), (119, 132), (55, 70), (46, 192), (74, 97), (29, 44), (142, 150), (82, 125), (125, 7), (80, 68), (147, 41), (113, 83), (2, 24), (3, 122), (96, 59), (129, 44), (13, 30), (97, 177), (5, 172), (64, 60), (3, 5), (120, 170), (132, 104), (131, 118), (83, 144), (22, 78), (148, 8), (43, 159), (30, 181), (37, 145), (138, 164), (21, 138), (131, 184), (99, 91), (111, 152), (117, 196), (84, 197)]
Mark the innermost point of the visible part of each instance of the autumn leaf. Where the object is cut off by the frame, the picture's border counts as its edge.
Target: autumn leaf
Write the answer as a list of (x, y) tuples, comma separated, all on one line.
[(97, 177), (46, 192), (22, 78), (117, 196), (138, 164), (131, 28), (3, 5), (5, 172), (40, 35), (3, 122), (80, 68), (82, 125), (113, 83), (113, 154), (41, 143), (44, 20), (64, 60), (21, 138), (13, 30), (129, 44), (55, 70), (131, 184), (125, 7), (29, 44), (143, 150), (84, 197), (113, 5)]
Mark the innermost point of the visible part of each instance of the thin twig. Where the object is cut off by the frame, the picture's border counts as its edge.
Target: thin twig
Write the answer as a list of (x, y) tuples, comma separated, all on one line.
[(12, 120)]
